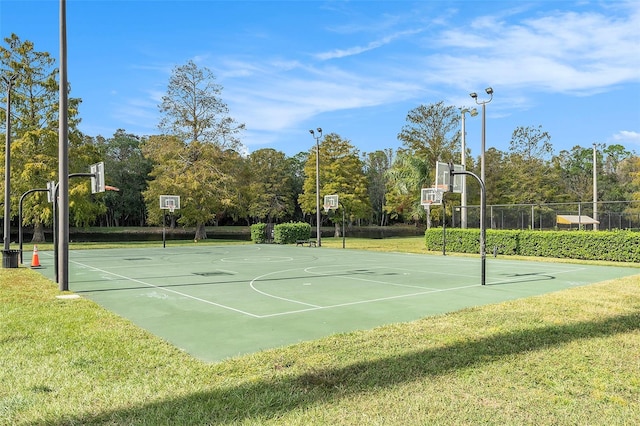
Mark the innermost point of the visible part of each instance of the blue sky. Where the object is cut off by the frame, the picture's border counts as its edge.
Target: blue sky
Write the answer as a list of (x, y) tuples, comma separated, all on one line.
[(354, 67)]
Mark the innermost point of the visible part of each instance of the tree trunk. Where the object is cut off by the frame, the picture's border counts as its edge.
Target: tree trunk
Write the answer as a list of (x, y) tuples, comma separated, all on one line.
[(201, 232), (336, 231), (38, 233)]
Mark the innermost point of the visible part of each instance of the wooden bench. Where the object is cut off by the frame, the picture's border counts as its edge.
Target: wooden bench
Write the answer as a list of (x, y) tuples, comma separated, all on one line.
[(309, 243)]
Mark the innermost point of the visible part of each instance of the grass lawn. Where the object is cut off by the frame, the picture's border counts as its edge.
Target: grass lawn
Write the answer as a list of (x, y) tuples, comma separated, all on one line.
[(569, 357)]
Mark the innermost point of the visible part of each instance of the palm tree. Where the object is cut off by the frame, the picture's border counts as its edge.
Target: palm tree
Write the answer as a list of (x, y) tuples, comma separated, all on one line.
[(406, 177)]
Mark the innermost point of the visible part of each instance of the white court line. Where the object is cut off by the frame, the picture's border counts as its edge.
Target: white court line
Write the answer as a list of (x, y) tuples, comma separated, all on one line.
[(321, 274), (317, 307), (167, 290), (312, 307), (419, 271), (278, 297), (361, 302)]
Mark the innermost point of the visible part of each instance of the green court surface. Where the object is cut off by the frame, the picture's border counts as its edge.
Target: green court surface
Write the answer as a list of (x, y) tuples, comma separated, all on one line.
[(217, 302)]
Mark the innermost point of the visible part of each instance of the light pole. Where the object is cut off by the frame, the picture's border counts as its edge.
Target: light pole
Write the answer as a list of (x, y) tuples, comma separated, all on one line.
[(463, 202), (595, 186), (7, 166), (474, 95), (317, 138), (63, 158)]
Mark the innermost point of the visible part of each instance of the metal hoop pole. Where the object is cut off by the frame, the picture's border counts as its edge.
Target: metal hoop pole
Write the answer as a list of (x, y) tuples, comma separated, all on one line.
[(318, 217), (483, 231)]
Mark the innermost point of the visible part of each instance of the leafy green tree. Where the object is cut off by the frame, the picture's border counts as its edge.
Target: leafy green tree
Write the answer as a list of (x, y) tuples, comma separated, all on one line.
[(531, 143), (405, 180), (632, 168), (532, 180), (575, 171), (127, 169), (377, 164), (271, 186), (432, 133), (84, 208), (193, 171), (198, 159), (238, 199), (498, 178), (341, 172), (613, 178), (34, 125), (193, 110), (34, 163), (295, 169)]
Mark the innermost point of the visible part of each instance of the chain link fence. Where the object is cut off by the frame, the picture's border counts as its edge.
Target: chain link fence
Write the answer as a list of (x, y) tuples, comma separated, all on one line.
[(612, 215)]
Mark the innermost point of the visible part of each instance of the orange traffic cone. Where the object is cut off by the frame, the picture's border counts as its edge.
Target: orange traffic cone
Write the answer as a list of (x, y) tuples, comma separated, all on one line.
[(35, 260)]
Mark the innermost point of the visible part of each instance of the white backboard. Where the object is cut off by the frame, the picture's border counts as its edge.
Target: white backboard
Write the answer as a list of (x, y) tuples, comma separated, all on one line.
[(169, 202), (442, 176)]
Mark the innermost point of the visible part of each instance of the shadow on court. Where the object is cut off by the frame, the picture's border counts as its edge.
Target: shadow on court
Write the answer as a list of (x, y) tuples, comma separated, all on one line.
[(518, 278), (268, 399), (211, 274)]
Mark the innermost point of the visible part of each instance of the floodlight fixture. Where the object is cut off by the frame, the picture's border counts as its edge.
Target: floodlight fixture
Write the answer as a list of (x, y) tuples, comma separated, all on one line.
[(474, 95), (471, 111)]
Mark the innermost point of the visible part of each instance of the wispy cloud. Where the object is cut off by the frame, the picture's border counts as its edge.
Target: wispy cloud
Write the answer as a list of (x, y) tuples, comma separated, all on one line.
[(570, 52), (356, 50), (625, 136), (561, 53)]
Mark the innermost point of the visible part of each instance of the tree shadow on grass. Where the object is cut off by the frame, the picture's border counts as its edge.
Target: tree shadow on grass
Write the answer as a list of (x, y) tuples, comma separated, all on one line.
[(271, 398)]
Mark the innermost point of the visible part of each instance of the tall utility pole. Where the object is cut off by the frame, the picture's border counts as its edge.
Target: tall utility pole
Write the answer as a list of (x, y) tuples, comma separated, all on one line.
[(489, 91), (7, 167), (595, 187), (318, 217), (463, 201), (63, 159)]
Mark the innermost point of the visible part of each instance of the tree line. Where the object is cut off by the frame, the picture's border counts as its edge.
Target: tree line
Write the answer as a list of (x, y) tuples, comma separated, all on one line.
[(198, 154)]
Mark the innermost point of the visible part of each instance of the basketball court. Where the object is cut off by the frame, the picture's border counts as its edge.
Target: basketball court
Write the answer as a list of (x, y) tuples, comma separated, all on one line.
[(217, 302)]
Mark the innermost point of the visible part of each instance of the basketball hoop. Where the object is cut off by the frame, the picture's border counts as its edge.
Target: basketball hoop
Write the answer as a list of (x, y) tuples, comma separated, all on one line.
[(170, 202), (431, 196), (330, 203)]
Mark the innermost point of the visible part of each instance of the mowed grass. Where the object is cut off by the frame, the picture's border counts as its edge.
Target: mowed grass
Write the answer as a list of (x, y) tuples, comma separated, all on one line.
[(570, 357)]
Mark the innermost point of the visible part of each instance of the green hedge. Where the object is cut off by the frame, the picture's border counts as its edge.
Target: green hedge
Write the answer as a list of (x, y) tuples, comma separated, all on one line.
[(258, 233), (287, 233), (284, 233), (619, 246)]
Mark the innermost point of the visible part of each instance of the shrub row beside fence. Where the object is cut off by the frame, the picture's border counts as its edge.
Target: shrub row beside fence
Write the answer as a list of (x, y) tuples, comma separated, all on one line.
[(259, 233), (617, 246), (283, 233)]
